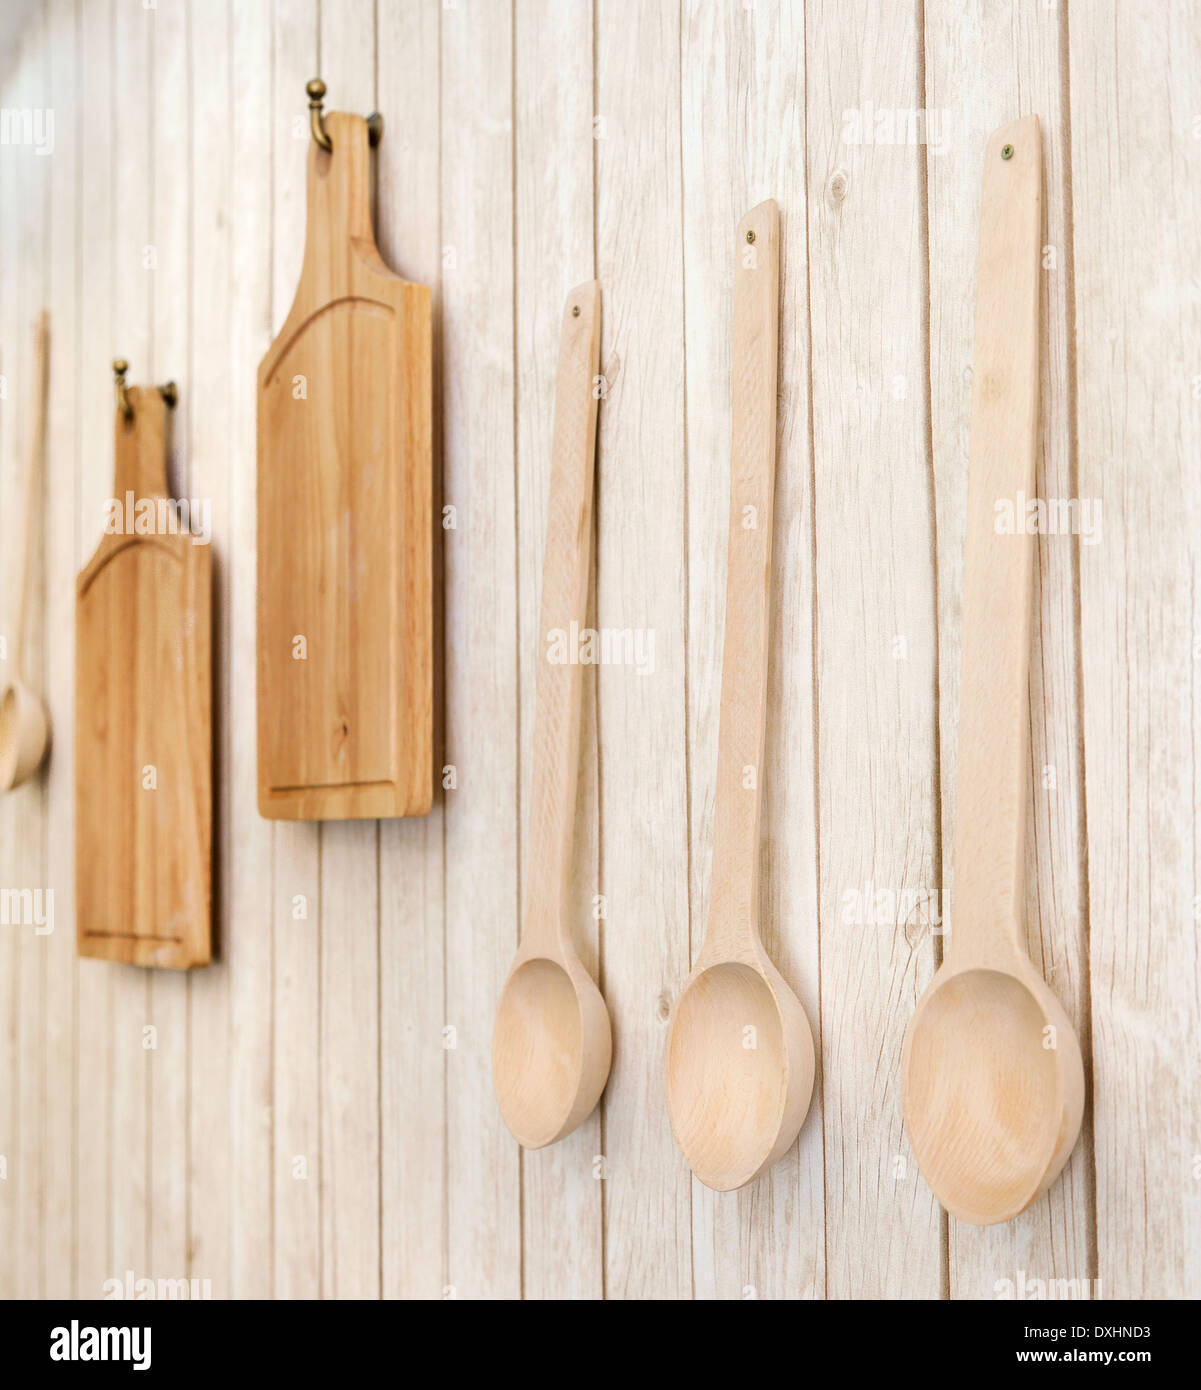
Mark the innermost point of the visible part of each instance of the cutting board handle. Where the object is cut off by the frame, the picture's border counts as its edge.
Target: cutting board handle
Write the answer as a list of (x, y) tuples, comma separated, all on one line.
[(140, 453), (339, 203)]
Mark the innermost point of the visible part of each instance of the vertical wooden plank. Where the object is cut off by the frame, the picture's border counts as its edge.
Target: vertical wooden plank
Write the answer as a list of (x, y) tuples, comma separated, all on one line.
[(983, 69), (878, 807), (296, 871), (412, 1056), (213, 466), (350, 1139), (22, 858), (98, 344), (245, 838), (1135, 161), (133, 181), (62, 541), (9, 939), (483, 1185), (743, 141), (561, 1188), (641, 569), (28, 803), (170, 179)]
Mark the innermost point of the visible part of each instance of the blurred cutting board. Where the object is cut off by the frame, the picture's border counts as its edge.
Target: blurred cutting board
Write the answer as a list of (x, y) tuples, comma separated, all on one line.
[(143, 734)]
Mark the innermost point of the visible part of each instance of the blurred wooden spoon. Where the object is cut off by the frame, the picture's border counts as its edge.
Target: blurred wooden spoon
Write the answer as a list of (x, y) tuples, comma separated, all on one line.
[(23, 724)]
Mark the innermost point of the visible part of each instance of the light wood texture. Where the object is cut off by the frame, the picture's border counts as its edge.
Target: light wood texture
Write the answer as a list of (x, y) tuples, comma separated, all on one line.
[(1136, 236), (59, 983), (345, 726), (496, 188), (292, 1085), (562, 1187), (412, 1099), (874, 650), (740, 1056), (348, 863), (143, 741), (552, 1043), (992, 1073), (23, 728), (483, 1175), (641, 582)]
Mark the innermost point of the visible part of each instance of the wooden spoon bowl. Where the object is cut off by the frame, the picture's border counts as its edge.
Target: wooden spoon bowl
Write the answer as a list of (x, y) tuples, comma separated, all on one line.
[(23, 734), (741, 1062), (993, 1090), (551, 1049)]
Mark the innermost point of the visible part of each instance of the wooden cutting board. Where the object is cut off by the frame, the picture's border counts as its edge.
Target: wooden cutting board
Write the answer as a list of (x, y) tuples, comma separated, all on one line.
[(345, 603), (143, 735)]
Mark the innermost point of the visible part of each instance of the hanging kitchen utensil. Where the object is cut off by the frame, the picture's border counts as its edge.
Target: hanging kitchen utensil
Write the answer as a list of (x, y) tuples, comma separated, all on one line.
[(992, 1079), (23, 724), (740, 1051), (345, 580), (551, 1044), (143, 693)]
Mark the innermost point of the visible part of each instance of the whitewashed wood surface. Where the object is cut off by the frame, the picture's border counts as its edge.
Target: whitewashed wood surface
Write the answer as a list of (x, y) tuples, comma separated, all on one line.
[(313, 1115)]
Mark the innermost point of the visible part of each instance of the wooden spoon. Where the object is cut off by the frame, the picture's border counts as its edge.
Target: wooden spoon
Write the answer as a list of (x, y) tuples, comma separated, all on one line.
[(23, 723), (992, 1079), (740, 1051), (551, 1046)]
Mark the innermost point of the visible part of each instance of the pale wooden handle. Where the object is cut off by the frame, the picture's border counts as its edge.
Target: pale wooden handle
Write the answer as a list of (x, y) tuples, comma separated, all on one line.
[(33, 482), (734, 894), (990, 805), (565, 577)]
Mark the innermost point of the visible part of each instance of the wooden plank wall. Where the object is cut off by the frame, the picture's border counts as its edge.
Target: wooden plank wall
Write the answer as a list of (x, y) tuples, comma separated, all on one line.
[(313, 1114)]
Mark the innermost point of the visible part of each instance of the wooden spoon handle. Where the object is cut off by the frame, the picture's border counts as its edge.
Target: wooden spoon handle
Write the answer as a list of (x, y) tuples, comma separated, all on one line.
[(734, 892), (33, 485), (990, 807), (565, 578)]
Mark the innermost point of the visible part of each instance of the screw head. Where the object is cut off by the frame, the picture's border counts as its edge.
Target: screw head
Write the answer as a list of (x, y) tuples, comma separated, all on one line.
[(1006, 151), (575, 311), (315, 88), (750, 236)]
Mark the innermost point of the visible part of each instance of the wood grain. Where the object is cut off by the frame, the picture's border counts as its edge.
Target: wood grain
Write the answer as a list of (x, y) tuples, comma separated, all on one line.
[(483, 1180), (1136, 245), (143, 739), (875, 649), (641, 569), (533, 151), (561, 1187), (345, 726)]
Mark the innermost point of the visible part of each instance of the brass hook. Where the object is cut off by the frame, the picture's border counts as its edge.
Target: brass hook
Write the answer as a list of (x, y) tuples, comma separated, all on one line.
[(316, 90), (120, 367), (169, 393)]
